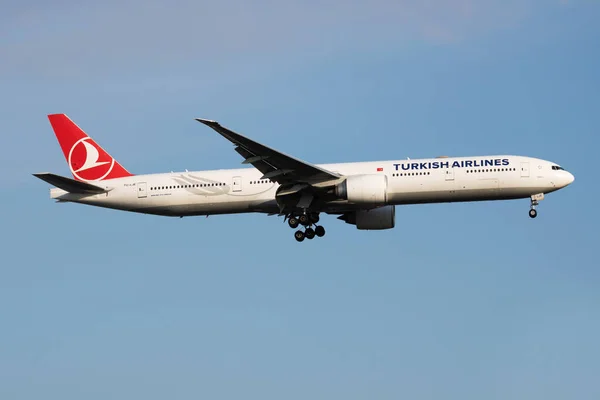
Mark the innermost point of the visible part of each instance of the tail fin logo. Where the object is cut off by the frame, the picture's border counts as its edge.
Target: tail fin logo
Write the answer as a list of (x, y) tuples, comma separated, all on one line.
[(84, 161)]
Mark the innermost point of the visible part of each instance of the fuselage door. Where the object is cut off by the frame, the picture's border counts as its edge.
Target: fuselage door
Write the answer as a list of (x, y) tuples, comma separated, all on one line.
[(449, 174), (524, 170), (141, 190), (237, 184)]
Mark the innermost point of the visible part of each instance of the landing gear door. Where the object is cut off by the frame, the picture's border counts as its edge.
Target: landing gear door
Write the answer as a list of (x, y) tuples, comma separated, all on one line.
[(524, 170), (237, 184), (141, 190)]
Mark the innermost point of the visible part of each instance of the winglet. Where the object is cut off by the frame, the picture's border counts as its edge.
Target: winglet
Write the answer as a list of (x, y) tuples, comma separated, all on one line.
[(208, 122)]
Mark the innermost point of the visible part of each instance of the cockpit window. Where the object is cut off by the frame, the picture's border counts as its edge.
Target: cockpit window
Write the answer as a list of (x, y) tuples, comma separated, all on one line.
[(557, 168)]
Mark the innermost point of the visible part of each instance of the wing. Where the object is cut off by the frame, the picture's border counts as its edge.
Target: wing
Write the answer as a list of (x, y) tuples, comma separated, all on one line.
[(274, 165)]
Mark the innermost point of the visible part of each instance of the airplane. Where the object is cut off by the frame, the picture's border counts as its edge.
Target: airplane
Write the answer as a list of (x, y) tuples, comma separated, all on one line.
[(363, 194)]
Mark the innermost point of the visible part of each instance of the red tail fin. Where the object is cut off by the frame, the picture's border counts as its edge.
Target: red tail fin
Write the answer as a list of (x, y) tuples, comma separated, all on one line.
[(86, 159)]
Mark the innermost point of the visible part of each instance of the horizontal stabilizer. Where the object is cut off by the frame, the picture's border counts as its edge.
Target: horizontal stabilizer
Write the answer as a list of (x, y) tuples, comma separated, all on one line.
[(70, 185)]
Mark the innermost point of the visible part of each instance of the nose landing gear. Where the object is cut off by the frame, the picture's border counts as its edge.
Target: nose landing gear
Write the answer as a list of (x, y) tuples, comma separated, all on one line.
[(535, 201)]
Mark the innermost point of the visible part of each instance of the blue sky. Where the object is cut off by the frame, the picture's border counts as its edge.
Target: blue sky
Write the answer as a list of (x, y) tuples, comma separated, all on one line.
[(458, 301)]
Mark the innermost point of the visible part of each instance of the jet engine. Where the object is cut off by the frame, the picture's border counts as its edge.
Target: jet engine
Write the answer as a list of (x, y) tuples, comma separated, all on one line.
[(363, 189), (374, 219)]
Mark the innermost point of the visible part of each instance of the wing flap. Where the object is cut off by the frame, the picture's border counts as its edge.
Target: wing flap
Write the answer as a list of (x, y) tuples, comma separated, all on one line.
[(70, 185)]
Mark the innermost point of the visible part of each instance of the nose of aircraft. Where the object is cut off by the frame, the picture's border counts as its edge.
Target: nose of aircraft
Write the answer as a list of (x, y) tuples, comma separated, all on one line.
[(568, 178)]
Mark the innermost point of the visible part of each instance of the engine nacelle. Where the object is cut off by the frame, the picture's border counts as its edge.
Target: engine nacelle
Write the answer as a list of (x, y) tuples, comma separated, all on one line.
[(375, 219), (364, 189)]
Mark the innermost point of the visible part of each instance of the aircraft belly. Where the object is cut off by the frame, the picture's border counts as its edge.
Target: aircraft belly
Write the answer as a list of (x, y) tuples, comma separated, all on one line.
[(480, 190), (193, 204)]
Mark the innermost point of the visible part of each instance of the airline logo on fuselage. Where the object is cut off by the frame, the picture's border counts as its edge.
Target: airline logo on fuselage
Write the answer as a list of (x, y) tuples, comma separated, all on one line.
[(494, 162)]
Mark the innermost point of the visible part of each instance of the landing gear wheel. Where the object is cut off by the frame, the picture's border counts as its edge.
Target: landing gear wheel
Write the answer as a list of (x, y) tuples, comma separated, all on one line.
[(299, 236), (320, 231), (309, 233), (535, 201), (314, 218), (293, 222), (532, 213), (304, 220)]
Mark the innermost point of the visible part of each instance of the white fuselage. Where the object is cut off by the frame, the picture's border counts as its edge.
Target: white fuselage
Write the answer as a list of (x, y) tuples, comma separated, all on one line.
[(408, 182)]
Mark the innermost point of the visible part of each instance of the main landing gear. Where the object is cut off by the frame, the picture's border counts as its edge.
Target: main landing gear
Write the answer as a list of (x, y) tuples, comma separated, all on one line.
[(307, 220), (535, 201)]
